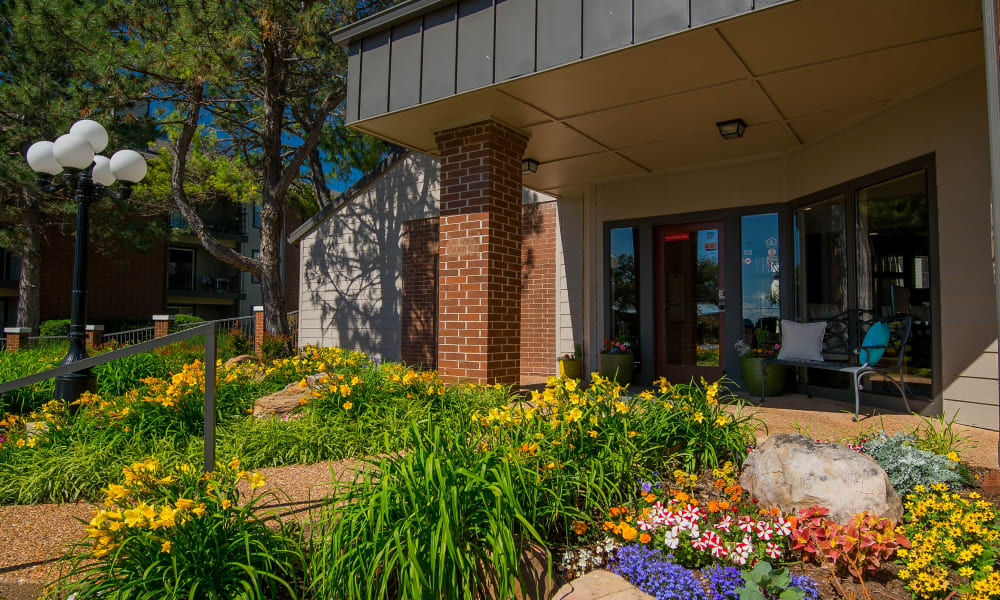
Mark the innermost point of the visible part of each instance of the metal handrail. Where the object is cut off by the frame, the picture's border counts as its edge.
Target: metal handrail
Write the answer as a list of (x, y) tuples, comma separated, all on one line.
[(133, 335), (206, 329)]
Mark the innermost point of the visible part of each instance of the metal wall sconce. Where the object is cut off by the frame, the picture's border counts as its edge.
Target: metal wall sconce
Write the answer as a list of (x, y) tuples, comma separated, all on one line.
[(731, 129), (529, 165)]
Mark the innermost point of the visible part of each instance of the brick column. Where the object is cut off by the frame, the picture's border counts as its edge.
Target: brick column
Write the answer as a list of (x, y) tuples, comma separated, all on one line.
[(161, 324), (95, 335), (17, 338), (479, 277), (258, 331)]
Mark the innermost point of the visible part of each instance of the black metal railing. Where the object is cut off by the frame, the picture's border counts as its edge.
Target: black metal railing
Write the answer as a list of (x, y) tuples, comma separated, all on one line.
[(205, 329)]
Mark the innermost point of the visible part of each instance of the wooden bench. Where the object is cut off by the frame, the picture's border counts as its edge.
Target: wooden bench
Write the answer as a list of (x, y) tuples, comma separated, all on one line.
[(841, 350)]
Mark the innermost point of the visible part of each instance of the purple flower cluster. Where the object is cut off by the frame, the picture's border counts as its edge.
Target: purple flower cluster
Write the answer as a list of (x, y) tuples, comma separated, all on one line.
[(652, 572), (725, 583)]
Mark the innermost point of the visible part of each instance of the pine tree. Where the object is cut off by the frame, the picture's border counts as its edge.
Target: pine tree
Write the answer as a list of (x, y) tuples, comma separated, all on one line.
[(265, 77)]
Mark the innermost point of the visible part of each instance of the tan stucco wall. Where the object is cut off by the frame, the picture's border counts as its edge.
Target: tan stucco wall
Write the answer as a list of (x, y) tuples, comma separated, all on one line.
[(950, 121)]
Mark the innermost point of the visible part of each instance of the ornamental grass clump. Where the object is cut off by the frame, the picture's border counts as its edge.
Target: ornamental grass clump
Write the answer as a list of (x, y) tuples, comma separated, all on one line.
[(450, 517), (956, 545), (180, 533), (908, 466)]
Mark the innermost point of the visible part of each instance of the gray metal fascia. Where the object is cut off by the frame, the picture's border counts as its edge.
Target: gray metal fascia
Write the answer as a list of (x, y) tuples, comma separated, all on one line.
[(385, 19)]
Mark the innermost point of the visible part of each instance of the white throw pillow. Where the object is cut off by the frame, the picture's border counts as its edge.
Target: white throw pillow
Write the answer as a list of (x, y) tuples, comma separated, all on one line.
[(801, 341)]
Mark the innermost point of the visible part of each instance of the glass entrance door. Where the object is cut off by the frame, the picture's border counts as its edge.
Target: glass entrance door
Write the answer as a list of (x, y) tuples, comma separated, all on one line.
[(690, 301)]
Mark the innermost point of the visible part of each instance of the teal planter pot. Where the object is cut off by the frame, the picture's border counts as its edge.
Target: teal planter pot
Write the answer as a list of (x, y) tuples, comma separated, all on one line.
[(777, 377), (618, 367)]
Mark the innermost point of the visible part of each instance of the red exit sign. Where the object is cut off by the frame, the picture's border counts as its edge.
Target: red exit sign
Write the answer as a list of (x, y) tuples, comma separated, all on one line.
[(677, 237)]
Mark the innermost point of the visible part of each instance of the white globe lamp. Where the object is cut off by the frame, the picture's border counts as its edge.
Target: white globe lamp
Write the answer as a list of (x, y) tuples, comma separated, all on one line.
[(93, 131), (42, 160), (128, 166), (73, 151), (102, 171)]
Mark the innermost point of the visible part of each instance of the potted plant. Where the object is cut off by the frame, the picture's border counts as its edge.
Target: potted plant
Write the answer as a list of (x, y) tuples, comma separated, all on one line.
[(616, 361), (571, 366), (751, 360)]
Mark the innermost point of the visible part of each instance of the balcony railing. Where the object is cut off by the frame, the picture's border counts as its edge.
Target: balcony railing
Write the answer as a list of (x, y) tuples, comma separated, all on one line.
[(231, 221), (224, 284)]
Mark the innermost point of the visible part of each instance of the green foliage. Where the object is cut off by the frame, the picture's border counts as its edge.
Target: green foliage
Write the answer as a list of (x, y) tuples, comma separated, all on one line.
[(234, 343), (187, 319), (765, 583), (937, 435), (275, 346), (908, 466), (54, 327), (175, 534), (446, 518)]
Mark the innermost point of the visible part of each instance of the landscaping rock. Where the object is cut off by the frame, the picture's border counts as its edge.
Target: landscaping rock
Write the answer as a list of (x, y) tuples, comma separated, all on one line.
[(33, 429), (242, 358), (281, 403), (600, 585), (791, 471)]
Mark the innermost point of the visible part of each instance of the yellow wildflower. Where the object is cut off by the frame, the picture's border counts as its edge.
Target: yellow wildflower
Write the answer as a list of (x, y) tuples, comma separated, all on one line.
[(166, 547)]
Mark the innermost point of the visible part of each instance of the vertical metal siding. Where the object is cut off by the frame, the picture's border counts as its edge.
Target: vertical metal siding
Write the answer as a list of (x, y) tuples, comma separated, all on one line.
[(607, 24), (404, 66), (654, 18), (475, 44), (515, 38), (438, 76), (353, 80), (559, 32), (703, 11), (375, 77)]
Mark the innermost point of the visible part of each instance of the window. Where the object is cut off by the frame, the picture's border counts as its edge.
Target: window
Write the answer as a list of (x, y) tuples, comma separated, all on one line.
[(869, 248), (255, 254), (624, 278), (256, 215), (180, 269), (760, 270)]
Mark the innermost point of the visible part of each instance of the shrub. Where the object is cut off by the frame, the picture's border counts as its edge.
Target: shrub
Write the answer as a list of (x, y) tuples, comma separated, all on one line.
[(187, 320), (234, 343), (764, 583), (956, 545), (276, 346), (656, 574), (938, 436), (180, 534), (861, 547), (53, 327), (907, 466), (445, 519)]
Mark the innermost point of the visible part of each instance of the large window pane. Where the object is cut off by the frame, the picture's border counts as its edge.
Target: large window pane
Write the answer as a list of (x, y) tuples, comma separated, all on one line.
[(894, 265), (821, 260), (761, 303), (180, 269), (624, 277)]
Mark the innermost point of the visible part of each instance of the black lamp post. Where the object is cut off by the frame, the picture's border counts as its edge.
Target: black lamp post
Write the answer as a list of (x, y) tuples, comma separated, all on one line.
[(88, 177)]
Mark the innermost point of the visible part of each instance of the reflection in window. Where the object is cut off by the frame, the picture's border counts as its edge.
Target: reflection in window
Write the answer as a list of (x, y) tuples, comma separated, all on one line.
[(761, 275), (893, 231), (624, 277), (821, 260)]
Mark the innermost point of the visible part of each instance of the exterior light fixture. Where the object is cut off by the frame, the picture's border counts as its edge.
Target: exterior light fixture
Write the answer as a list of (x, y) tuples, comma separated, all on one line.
[(731, 129), (529, 165), (75, 152)]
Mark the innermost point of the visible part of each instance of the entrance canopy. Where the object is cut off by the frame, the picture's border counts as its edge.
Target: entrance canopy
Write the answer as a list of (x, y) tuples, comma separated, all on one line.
[(604, 93)]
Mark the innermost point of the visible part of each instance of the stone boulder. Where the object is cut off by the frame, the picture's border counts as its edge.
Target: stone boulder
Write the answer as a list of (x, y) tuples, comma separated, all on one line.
[(281, 403), (600, 585), (792, 472), (242, 358)]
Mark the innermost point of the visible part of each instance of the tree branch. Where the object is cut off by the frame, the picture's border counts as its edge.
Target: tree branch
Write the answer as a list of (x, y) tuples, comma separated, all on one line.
[(181, 148), (310, 141)]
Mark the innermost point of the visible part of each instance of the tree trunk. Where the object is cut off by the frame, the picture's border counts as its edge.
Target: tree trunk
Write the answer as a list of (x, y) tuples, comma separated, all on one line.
[(29, 298)]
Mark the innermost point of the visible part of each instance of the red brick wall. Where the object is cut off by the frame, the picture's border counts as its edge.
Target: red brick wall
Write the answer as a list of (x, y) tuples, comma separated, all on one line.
[(538, 291), (292, 222), (480, 252), (128, 285), (419, 318)]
